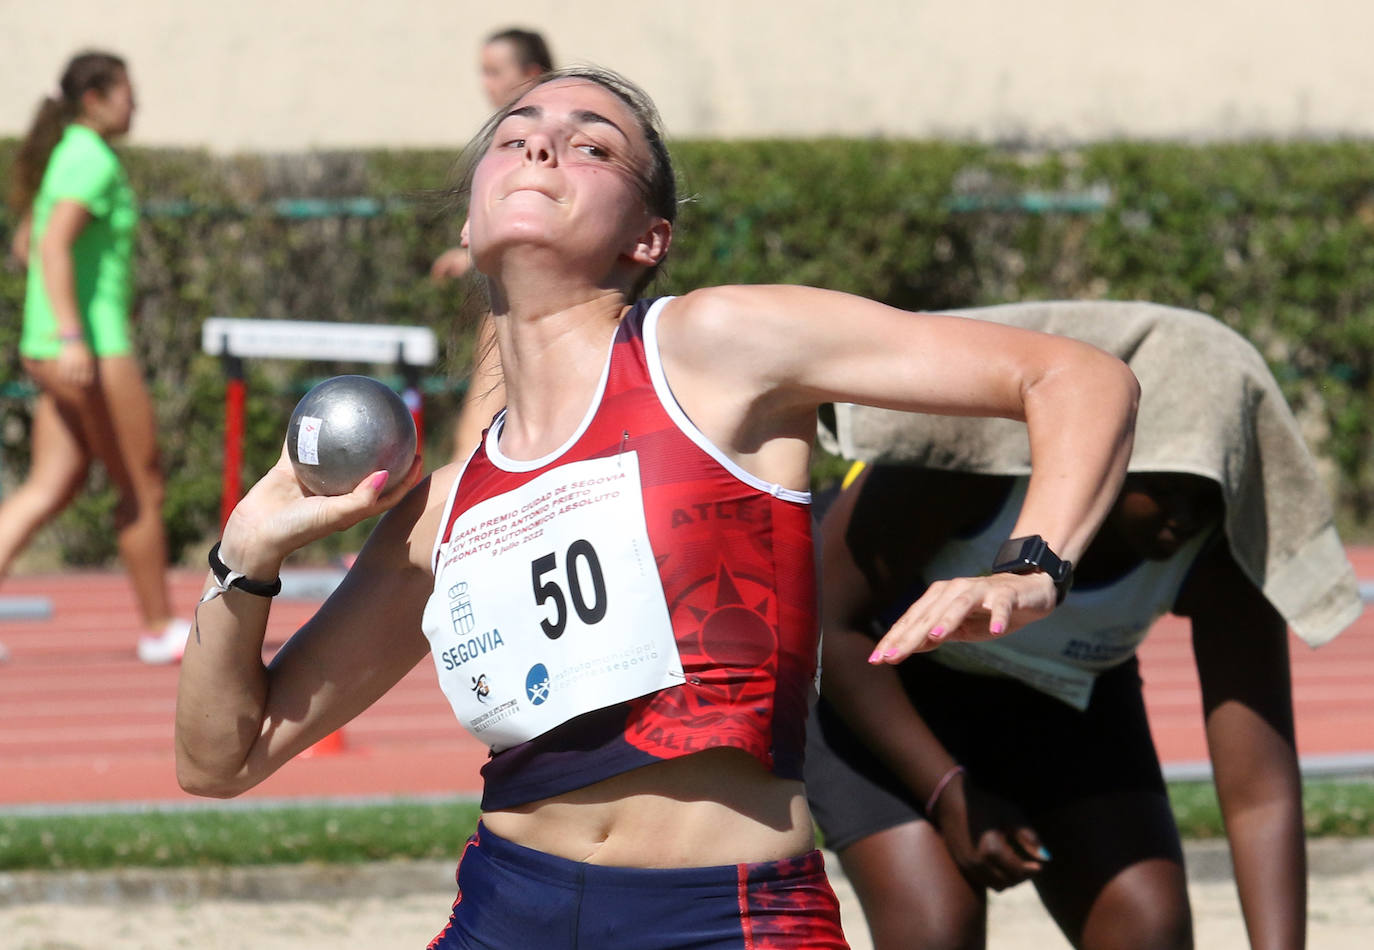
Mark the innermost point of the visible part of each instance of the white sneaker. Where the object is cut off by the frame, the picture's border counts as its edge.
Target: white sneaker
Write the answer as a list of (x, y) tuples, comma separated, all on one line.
[(168, 646)]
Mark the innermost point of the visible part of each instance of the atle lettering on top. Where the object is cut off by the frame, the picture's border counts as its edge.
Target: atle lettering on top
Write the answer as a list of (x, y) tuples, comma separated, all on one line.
[(547, 604)]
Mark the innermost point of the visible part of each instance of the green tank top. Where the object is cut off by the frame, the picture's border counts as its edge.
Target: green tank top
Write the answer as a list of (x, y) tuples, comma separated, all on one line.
[(83, 168)]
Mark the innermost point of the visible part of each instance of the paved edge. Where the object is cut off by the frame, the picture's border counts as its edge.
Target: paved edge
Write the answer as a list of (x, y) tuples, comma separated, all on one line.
[(1206, 861)]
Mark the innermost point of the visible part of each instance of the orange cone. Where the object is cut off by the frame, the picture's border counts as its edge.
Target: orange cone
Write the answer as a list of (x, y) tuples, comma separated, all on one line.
[(332, 744)]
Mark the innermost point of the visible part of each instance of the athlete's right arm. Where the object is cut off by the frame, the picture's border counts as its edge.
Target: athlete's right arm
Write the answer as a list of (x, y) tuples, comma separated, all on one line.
[(237, 719), (75, 362), (987, 838)]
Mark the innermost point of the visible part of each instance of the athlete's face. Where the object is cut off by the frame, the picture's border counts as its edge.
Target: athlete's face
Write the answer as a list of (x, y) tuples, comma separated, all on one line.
[(502, 74), (563, 171), (111, 111), (1157, 512)]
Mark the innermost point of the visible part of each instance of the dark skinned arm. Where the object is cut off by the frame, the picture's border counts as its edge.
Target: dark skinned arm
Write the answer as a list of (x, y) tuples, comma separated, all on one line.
[(1240, 644), (988, 838)]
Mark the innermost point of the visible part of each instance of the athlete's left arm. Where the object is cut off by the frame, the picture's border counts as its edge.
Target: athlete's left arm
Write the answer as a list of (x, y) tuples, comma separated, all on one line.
[(750, 365), (1240, 643), (19, 241)]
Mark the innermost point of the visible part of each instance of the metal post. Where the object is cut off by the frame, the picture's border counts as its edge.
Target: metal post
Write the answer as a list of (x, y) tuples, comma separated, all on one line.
[(414, 399), (234, 393)]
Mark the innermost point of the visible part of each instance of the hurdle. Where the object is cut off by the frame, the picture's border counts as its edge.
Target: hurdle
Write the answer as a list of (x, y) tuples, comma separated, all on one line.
[(235, 339)]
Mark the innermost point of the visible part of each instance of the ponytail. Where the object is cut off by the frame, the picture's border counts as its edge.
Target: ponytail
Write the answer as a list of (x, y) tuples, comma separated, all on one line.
[(86, 71), (49, 121)]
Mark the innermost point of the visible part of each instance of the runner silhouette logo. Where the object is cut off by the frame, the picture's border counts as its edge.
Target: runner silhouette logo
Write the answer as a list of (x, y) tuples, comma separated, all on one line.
[(537, 684)]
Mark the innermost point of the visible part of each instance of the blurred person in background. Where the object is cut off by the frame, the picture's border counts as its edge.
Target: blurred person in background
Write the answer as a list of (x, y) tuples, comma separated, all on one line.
[(77, 218), (510, 60)]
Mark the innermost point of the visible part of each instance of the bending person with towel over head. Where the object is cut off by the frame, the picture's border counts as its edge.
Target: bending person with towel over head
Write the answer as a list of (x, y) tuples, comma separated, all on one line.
[(979, 765)]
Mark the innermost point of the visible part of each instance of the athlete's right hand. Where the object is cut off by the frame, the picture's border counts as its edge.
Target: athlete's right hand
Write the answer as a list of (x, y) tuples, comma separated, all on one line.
[(76, 363), (988, 837), (278, 517), (450, 265)]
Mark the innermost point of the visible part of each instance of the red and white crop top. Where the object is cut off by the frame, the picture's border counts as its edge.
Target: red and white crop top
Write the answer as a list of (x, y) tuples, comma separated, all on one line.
[(634, 596)]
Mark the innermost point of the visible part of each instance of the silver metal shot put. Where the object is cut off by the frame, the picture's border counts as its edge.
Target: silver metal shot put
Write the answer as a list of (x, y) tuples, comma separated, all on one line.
[(346, 428)]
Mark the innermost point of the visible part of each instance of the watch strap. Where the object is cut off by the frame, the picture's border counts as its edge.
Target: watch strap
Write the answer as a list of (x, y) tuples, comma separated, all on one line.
[(226, 578), (1031, 553)]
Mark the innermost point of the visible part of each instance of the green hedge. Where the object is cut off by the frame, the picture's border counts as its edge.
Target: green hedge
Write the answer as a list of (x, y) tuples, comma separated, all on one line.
[(1277, 240), (348, 833)]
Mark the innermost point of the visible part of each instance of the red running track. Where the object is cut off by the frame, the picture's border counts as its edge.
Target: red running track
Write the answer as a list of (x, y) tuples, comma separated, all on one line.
[(81, 720)]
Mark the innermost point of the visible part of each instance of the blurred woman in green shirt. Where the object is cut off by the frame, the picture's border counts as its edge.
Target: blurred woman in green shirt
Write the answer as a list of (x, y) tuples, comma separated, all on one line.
[(78, 217)]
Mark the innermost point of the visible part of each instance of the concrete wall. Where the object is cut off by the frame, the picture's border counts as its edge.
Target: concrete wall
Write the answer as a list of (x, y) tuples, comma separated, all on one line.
[(286, 75)]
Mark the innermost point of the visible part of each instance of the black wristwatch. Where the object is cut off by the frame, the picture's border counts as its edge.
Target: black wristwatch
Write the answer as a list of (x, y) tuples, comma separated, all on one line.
[(1029, 554), (226, 578)]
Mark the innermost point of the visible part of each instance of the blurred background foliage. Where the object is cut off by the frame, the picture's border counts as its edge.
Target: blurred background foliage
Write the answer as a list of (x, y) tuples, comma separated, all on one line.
[(1274, 239)]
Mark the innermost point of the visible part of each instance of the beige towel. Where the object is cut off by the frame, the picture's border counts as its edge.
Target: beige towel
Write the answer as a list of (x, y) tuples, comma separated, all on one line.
[(1208, 406)]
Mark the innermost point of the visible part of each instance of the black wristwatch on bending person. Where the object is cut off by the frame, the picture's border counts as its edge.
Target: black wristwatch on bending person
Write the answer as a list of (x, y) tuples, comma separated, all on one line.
[(1029, 554)]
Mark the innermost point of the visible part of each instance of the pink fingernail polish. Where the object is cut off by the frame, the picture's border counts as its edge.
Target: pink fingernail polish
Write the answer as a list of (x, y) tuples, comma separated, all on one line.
[(875, 656), (889, 654), (380, 479), (997, 628), (937, 632)]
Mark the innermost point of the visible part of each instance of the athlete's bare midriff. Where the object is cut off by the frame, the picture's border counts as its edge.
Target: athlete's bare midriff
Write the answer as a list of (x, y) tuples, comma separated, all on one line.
[(711, 808)]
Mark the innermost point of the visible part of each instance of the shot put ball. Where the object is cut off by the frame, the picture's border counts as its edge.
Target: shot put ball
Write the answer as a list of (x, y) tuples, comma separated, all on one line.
[(345, 429)]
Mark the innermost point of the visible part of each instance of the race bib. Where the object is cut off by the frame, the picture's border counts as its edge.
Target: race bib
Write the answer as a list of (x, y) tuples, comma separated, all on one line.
[(547, 604)]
